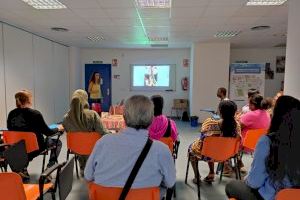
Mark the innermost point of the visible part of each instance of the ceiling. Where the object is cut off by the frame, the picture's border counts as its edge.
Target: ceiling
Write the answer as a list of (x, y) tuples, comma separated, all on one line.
[(122, 25)]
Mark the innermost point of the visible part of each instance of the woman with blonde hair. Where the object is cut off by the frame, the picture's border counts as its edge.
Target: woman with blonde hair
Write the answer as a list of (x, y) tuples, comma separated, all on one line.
[(81, 118)]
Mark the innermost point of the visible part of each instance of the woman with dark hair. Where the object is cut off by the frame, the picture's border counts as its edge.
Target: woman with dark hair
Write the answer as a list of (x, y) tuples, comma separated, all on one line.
[(227, 126), (257, 118), (161, 126), (94, 88), (276, 164)]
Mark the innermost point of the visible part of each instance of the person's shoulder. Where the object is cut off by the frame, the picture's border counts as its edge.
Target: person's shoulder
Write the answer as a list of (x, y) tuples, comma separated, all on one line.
[(264, 140), (160, 146)]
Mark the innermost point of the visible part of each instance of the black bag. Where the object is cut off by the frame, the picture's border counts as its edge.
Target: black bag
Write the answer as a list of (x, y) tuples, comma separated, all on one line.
[(185, 117)]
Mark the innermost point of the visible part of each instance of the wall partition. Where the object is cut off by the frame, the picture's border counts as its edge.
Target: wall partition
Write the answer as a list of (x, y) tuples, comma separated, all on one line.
[(37, 64)]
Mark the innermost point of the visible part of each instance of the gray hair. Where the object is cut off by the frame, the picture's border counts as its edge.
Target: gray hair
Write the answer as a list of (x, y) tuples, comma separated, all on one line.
[(138, 112)]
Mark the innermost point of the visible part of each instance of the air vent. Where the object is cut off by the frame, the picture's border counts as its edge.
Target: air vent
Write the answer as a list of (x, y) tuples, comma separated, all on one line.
[(95, 38), (153, 3), (59, 29), (265, 2), (226, 34), (157, 39), (159, 45), (259, 28)]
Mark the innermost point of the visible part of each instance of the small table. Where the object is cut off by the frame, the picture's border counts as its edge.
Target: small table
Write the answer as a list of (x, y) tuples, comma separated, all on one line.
[(113, 122)]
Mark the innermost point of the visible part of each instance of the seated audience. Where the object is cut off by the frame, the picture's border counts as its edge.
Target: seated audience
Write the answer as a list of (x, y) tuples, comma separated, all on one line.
[(251, 92), (267, 104), (81, 118), (257, 117), (115, 155), (221, 93), (24, 118), (272, 170), (227, 126), (161, 126)]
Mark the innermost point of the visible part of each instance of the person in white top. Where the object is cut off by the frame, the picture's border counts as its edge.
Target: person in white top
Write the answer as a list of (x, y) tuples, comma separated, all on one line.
[(221, 93)]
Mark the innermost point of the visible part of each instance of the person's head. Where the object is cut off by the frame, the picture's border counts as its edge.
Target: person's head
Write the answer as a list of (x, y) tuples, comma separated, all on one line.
[(252, 92), (255, 102), (95, 78), (278, 94), (227, 111), (158, 103), (23, 99), (221, 93), (138, 112), (82, 97), (267, 103), (283, 160), (283, 105)]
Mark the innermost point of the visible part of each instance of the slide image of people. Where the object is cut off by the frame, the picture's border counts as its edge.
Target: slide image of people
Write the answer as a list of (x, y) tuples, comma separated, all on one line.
[(94, 88), (151, 76)]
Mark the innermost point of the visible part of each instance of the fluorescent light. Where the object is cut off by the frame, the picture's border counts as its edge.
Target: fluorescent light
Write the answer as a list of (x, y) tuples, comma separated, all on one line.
[(157, 39), (45, 4), (265, 2), (226, 34), (95, 38), (153, 3)]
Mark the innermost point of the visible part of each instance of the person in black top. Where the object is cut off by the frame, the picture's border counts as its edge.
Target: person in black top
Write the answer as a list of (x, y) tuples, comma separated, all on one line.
[(24, 118)]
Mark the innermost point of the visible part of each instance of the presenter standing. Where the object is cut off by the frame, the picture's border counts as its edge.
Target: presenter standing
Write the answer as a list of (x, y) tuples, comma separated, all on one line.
[(95, 92)]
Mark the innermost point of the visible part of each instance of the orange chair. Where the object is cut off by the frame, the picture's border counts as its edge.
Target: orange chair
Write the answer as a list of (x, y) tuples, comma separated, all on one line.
[(81, 143), (219, 149), (169, 142), (288, 194), (12, 188), (31, 143), (98, 192), (252, 137)]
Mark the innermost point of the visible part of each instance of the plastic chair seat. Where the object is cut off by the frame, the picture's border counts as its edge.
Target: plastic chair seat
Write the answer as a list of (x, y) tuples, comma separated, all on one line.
[(98, 192), (32, 190)]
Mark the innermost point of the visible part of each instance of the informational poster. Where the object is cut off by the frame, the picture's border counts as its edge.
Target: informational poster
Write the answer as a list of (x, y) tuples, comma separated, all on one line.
[(244, 76)]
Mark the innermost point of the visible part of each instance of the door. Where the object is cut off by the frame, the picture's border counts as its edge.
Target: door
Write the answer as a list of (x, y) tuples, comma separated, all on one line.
[(100, 74)]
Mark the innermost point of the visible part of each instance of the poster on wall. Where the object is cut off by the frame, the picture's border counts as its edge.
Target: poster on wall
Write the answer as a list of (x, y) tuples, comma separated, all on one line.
[(244, 76), (269, 72), (280, 64)]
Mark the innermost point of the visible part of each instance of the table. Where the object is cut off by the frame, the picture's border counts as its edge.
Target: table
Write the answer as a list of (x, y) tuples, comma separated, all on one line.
[(113, 122)]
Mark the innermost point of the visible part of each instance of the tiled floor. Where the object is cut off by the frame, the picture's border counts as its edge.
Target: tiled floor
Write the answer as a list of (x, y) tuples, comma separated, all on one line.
[(214, 191)]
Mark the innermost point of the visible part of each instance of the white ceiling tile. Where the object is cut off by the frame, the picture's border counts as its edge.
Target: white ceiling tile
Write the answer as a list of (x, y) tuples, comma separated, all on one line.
[(81, 4), (187, 12), (154, 13), (127, 22), (190, 3), (121, 13), (254, 11), (90, 13), (100, 22), (155, 22), (116, 3), (220, 11), (227, 2)]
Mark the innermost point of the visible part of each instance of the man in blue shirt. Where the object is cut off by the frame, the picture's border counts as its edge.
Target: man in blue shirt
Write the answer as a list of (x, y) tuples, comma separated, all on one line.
[(114, 155)]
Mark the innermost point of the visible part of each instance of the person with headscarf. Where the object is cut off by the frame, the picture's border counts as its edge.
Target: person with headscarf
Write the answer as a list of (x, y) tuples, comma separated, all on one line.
[(81, 118)]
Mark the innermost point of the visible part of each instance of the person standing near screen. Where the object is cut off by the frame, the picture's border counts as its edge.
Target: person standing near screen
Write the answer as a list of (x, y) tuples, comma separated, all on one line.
[(94, 88)]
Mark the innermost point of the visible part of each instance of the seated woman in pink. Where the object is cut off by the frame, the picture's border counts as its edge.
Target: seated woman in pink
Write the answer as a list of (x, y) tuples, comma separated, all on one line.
[(161, 126), (257, 118)]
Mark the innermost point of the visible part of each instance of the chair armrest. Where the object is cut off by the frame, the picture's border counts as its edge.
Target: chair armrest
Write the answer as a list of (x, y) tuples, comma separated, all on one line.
[(50, 170), (5, 145), (47, 173)]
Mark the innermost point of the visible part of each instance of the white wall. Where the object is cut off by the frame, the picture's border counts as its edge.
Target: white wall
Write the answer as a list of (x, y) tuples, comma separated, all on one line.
[(293, 47), (2, 85), (75, 68), (36, 64), (126, 57), (262, 56), (210, 70)]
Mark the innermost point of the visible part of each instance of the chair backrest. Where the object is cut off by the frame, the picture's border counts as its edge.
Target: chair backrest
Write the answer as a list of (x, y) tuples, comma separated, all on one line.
[(12, 137), (82, 143), (220, 148), (288, 194), (16, 156), (252, 137), (65, 179), (169, 142), (11, 186), (98, 192)]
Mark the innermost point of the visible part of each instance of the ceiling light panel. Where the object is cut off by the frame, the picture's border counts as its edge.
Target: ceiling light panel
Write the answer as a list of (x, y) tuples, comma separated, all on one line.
[(265, 2), (226, 34), (153, 3), (95, 38), (45, 4)]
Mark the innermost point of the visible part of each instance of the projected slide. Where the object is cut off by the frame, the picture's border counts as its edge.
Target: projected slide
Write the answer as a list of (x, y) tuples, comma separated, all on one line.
[(151, 76)]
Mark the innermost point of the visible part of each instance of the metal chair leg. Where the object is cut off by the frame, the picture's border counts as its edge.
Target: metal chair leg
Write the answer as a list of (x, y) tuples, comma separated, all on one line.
[(68, 154), (43, 165), (236, 168), (222, 168), (187, 168), (198, 181), (76, 166)]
